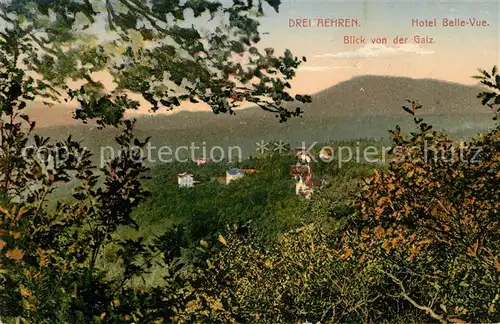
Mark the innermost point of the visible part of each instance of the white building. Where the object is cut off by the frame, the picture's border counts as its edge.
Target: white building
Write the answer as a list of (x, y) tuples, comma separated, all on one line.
[(185, 180), (302, 156), (234, 174), (305, 186), (326, 154), (302, 189)]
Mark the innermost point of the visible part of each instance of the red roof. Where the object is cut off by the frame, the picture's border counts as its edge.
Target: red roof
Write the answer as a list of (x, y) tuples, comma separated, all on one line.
[(303, 153), (300, 169), (327, 151), (249, 171), (313, 182)]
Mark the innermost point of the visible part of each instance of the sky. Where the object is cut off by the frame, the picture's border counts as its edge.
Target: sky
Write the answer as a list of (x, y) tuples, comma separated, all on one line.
[(454, 56)]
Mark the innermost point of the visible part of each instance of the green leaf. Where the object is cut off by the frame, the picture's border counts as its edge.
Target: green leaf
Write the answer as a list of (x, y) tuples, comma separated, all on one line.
[(274, 4)]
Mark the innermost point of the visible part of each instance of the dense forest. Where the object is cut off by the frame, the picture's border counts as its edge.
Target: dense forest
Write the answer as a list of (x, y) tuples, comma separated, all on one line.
[(413, 240)]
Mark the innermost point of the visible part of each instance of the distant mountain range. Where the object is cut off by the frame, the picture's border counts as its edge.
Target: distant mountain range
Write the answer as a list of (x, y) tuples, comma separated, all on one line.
[(358, 97), (362, 107), (384, 96)]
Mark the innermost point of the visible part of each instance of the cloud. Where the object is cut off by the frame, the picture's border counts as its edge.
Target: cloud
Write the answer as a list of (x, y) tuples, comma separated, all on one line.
[(323, 68), (377, 50)]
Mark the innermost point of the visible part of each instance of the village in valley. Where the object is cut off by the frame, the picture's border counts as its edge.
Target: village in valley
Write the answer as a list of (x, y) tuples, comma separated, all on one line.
[(302, 173)]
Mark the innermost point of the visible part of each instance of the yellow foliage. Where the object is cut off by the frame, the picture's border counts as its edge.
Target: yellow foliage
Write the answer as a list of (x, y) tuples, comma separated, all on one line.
[(379, 232), (192, 306), (222, 240), (387, 246), (5, 211), (15, 254), (25, 292), (347, 253), (42, 257), (217, 305), (15, 235)]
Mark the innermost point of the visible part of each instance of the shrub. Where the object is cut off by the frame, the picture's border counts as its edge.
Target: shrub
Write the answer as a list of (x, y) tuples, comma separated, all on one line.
[(430, 224)]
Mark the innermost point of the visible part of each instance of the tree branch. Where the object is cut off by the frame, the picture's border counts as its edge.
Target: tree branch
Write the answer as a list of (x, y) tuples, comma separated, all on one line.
[(412, 301)]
